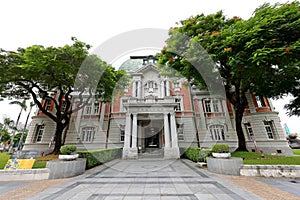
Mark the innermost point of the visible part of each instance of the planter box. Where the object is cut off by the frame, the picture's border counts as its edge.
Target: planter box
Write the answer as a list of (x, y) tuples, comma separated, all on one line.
[(230, 166), (68, 157), (65, 169), (221, 155)]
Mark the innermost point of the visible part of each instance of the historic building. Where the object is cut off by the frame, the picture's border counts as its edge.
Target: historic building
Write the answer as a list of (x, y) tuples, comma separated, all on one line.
[(158, 114)]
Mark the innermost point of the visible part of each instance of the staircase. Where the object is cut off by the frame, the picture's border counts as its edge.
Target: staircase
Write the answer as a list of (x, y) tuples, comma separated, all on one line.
[(152, 153)]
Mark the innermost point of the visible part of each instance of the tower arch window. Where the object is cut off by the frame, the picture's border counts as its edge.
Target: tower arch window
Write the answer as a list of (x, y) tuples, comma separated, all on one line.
[(249, 131), (40, 129), (269, 129)]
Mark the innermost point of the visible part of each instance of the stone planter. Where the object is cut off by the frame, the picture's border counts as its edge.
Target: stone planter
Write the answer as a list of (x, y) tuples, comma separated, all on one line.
[(221, 155), (230, 166), (68, 157), (65, 169)]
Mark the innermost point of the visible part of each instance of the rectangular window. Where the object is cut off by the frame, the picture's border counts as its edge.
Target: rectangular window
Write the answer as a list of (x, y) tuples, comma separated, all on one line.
[(260, 101), (88, 109), (180, 132), (178, 107), (96, 108), (249, 131), (87, 134), (216, 105), (122, 133), (47, 105), (207, 106), (217, 132), (269, 129), (39, 132)]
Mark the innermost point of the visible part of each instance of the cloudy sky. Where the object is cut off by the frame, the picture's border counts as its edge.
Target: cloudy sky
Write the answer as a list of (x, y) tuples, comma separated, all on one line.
[(53, 23)]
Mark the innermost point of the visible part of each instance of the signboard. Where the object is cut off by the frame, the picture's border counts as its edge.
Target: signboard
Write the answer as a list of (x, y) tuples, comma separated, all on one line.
[(13, 164)]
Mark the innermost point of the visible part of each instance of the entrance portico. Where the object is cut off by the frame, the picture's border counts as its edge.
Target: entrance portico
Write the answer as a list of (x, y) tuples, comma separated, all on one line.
[(149, 126)]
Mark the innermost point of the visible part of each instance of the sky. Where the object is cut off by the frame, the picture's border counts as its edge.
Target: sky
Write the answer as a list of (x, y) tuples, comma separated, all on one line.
[(53, 23)]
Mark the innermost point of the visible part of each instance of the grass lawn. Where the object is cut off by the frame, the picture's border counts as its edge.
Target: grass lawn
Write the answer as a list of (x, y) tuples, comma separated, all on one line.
[(253, 158), (40, 162), (296, 151), (3, 159)]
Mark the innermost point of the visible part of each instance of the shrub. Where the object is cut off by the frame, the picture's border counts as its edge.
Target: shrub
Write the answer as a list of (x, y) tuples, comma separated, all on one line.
[(197, 154), (68, 149), (220, 148), (99, 156), (203, 153)]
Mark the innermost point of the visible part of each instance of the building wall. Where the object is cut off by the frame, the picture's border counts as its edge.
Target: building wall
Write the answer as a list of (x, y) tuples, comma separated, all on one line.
[(198, 125)]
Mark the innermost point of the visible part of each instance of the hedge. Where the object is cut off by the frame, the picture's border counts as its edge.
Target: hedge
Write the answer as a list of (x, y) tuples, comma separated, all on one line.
[(99, 156), (197, 154)]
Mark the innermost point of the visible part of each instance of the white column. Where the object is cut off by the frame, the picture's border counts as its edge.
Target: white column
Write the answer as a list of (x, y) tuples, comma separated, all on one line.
[(166, 130), (201, 112), (168, 88), (174, 130), (127, 131), (134, 89), (227, 116), (139, 90), (162, 89), (101, 120), (134, 131)]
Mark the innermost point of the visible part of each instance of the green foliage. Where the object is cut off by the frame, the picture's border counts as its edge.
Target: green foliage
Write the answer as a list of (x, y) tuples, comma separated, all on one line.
[(4, 135), (220, 148), (259, 55), (197, 154), (4, 157), (253, 158), (99, 156), (68, 149), (36, 71)]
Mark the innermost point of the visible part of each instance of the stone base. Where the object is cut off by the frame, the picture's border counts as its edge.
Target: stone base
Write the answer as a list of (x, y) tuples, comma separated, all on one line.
[(130, 153), (171, 153), (64, 169), (292, 171), (230, 166)]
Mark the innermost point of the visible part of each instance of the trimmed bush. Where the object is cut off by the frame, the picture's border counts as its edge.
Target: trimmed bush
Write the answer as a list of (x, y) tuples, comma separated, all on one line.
[(67, 149), (197, 154), (220, 148), (99, 156), (203, 153)]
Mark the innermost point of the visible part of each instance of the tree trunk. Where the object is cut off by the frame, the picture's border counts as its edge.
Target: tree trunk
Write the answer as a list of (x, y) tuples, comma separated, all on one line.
[(58, 138), (239, 111)]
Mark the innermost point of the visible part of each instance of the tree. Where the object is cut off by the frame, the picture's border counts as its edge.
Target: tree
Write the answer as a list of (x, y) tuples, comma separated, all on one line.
[(250, 55), (23, 106), (22, 138), (54, 74)]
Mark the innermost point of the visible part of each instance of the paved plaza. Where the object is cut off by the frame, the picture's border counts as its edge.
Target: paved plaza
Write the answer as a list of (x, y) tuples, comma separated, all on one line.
[(152, 179)]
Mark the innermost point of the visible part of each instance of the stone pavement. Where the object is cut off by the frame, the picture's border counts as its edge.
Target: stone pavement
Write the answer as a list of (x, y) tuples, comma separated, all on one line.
[(151, 179)]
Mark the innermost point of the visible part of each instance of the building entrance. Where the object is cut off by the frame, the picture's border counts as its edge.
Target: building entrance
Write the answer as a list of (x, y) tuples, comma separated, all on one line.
[(152, 137)]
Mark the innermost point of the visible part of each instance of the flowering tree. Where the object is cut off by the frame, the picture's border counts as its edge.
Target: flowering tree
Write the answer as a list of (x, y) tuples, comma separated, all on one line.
[(259, 55)]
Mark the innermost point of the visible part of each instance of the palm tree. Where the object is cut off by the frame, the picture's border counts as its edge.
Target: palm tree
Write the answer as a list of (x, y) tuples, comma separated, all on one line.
[(8, 123), (23, 107), (25, 126)]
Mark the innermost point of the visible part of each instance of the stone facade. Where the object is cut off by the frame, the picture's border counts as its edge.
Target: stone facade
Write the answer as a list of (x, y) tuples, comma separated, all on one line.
[(162, 113)]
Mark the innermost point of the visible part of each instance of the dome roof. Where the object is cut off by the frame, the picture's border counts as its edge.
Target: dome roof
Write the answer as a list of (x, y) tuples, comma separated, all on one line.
[(131, 65)]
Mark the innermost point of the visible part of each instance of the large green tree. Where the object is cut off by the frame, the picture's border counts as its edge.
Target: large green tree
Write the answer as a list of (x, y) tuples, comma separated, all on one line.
[(259, 55), (55, 74)]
